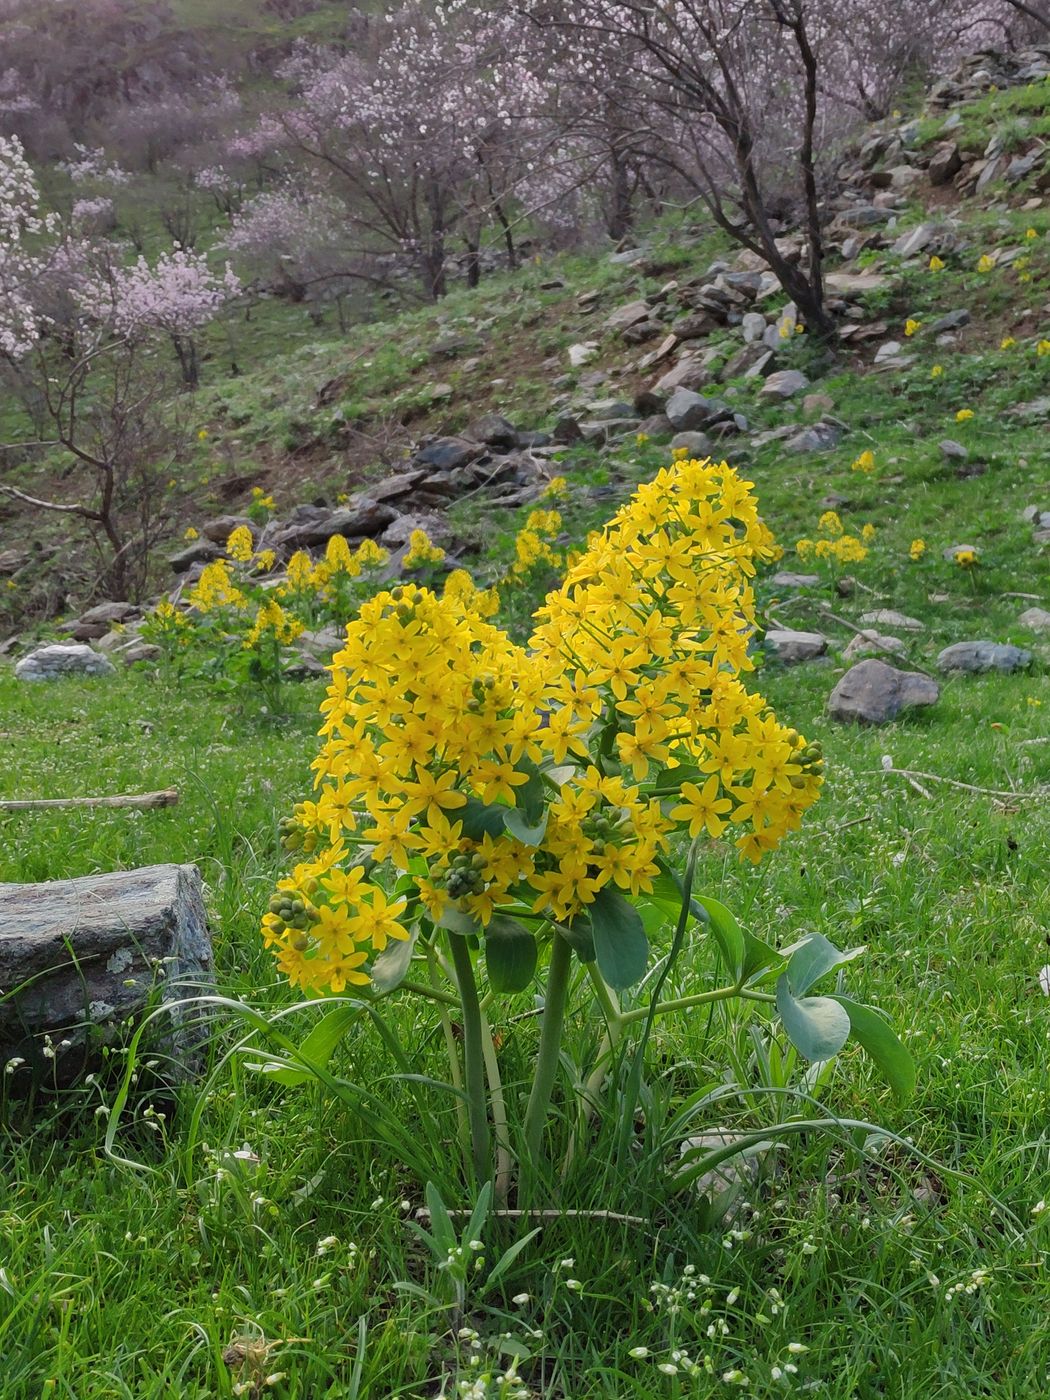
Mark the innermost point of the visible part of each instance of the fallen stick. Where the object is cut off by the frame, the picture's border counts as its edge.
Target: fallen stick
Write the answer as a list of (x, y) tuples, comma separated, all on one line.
[(142, 800), (912, 774)]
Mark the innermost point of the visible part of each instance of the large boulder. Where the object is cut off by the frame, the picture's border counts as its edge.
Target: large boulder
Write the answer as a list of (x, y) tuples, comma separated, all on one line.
[(80, 959), (977, 657), (61, 659), (315, 525), (688, 410), (873, 693)]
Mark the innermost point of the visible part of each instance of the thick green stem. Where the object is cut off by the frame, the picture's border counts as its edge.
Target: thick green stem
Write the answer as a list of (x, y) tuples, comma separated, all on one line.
[(473, 1057), (640, 1013), (558, 976)]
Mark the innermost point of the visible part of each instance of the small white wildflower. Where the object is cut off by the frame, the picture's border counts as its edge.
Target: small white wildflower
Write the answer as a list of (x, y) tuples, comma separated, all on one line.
[(639, 1353), (797, 1348), (329, 1242), (668, 1368), (574, 1285), (1039, 1207), (520, 1299)]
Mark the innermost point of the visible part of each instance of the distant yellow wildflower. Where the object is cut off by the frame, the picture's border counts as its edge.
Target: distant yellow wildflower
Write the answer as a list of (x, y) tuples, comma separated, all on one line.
[(917, 549), (911, 326), (936, 264), (964, 415)]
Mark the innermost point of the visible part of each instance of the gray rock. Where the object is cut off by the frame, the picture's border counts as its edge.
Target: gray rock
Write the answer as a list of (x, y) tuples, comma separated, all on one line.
[(493, 430), (222, 527), (110, 613), (48, 663), (753, 326), (873, 693), (688, 373), (945, 163), (752, 361), (954, 451), (784, 384), (625, 316), (582, 353), (983, 656), (824, 436), (696, 444), (315, 525), (200, 551), (445, 454), (695, 326), (851, 285), (78, 958), (566, 431), (786, 579), (888, 617), (1035, 619), (953, 321), (688, 410), (791, 647), (872, 643), (915, 240)]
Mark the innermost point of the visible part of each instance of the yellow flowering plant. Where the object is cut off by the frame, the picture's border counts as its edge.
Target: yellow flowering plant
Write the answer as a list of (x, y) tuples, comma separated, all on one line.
[(833, 545), (241, 620), (484, 810)]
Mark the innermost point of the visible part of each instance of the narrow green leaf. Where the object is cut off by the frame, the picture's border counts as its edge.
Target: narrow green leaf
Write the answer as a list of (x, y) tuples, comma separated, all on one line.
[(620, 944), (818, 1027), (812, 959), (510, 955), (317, 1047), (871, 1031)]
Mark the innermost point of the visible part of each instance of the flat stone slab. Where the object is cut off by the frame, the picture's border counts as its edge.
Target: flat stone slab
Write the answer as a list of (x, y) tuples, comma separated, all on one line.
[(786, 579), (888, 617), (63, 659), (79, 958), (790, 647), (873, 693), (872, 643), (977, 657)]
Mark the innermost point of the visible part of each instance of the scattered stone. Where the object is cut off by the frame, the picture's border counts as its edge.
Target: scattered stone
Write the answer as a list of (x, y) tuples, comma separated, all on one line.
[(625, 316), (954, 451), (493, 430), (688, 410), (823, 436), (688, 373), (201, 551), (582, 353), (84, 957), (784, 384), (566, 431), (953, 321), (786, 579), (1035, 619), (791, 647), (50, 662), (978, 657), (872, 643), (315, 525), (887, 617), (945, 163), (851, 285), (753, 326), (222, 527), (695, 444), (874, 693), (813, 405)]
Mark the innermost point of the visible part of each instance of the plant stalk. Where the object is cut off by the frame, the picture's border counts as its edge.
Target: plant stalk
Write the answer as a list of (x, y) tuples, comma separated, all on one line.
[(451, 1048), (473, 1057), (558, 976), (501, 1131)]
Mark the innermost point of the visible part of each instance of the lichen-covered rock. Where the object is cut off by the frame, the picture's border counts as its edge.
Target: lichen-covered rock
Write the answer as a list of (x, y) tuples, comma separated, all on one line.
[(977, 657), (62, 659), (81, 958), (873, 693)]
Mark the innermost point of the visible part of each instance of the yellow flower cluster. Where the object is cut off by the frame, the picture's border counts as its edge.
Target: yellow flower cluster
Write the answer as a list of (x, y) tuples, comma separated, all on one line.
[(262, 500), (216, 589), (240, 544), (272, 622), (936, 264), (422, 551), (965, 558), (532, 544), (985, 263), (833, 542), (916, 550), (865, 462), (487, 776), (911, 326)]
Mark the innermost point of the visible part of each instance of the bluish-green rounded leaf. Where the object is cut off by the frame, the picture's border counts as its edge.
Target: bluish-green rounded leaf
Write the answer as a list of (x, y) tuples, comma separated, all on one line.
[(818, 1027)]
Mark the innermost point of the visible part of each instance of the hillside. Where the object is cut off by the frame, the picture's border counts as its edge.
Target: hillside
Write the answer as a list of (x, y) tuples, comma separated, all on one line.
[(265, 1245)]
